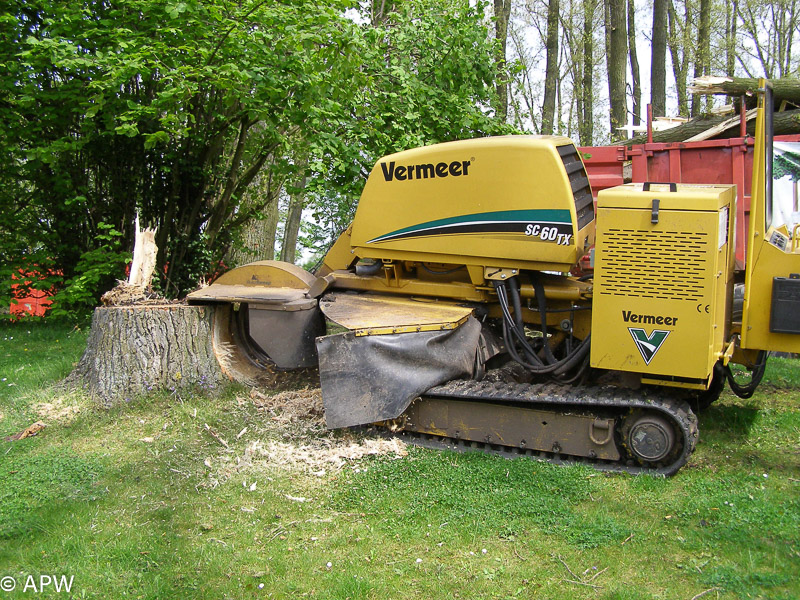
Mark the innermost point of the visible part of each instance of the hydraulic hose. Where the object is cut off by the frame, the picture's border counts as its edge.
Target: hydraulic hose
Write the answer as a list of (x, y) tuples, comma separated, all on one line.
[(559, 367), (541, 301), (511, 331), (756, 374), (519, 324)]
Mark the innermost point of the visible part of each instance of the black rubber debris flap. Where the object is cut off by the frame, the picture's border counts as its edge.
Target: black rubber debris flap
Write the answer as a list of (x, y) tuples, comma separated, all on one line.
[(375, 377)]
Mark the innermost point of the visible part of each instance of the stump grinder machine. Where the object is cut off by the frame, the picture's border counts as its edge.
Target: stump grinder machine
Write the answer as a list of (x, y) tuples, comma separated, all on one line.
[(460, 325)]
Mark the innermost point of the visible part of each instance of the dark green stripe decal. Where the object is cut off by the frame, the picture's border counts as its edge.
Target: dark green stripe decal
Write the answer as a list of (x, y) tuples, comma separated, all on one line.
[(498, 221)]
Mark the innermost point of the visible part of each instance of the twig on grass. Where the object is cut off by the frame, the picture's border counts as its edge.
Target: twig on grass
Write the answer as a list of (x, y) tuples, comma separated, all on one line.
[(701, 594), (566, 566), (627, 539), (275, 533), (591, 585), (280, 530), (576, 580), (215, 435), (596, 575)]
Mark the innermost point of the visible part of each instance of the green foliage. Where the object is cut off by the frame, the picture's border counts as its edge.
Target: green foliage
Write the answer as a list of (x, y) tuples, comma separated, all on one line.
[(173, 110), (95, 267)]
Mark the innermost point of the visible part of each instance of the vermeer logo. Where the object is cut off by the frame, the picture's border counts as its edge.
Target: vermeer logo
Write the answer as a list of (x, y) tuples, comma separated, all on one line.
[(457, 168), (648, 345)]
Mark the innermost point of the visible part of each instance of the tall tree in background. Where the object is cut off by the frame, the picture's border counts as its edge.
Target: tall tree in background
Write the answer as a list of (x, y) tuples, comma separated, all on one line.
[(616, 60), (731, 15), (658, 59), (551, 77), (578, 57), (679, 42), (586, 126), (636, 82), (502, 14), (702, 55)]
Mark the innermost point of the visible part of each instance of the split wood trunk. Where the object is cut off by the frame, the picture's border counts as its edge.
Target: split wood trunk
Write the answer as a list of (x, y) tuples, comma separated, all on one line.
[(782, 89), (785, 123), (132, 350)]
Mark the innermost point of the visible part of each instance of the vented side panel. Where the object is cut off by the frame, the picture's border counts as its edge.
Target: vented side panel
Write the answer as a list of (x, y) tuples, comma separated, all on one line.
[(668, 265), (579, 181), (661, 290)]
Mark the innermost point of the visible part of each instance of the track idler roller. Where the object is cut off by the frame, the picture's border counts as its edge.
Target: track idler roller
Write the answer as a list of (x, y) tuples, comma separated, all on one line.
[(649, 437)]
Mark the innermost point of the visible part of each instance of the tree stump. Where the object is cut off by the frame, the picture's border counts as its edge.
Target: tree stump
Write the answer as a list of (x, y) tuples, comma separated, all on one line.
[(132, 350)]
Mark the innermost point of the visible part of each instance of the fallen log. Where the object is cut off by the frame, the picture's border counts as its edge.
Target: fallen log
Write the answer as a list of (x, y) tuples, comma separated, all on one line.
[(782, 89), (785, 123)]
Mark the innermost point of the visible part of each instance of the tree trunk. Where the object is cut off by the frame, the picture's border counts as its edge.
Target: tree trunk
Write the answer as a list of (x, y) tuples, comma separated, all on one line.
[(658, 73), (257, 237), (586, 129), (731, 11), (634, 60), (292, 228), (616, 58), (551, 71), (702, 59), (679, 50), (502, 13), (132, 350)]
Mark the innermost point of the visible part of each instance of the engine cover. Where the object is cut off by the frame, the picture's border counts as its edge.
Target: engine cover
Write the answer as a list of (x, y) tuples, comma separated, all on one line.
[(513, 201)]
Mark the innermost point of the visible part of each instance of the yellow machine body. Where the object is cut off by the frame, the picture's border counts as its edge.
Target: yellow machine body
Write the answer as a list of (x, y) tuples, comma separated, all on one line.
[(514, 201), (663, 279), (457, 316), (771, 314)]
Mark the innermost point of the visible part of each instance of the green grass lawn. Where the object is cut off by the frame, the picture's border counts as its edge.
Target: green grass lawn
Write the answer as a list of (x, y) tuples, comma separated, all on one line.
[(236, 496)]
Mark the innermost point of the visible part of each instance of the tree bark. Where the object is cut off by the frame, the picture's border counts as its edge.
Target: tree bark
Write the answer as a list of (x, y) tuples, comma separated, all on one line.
[(502, 13), (551, 71), (731, 11), (132, 350), (679, 50), (702, 60), (586, 126), (616, 58), (292, 228), (658, 59), (634, 60)]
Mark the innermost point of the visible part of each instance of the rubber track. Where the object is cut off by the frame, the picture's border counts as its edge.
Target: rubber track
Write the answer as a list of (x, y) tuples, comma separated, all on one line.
[(605, 398)]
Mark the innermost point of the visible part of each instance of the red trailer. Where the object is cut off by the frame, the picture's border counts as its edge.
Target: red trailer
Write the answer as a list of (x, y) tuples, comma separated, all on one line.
[(709, 161)]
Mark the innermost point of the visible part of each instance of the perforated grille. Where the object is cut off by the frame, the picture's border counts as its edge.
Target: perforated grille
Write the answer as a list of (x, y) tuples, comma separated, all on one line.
[(647, 264)]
